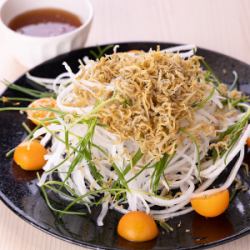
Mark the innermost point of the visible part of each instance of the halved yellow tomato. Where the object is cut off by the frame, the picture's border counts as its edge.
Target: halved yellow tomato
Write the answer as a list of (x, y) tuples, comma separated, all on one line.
[(135, 51), (211, 205), (37, 116), (137, 226), (29, 155), (248, 142)]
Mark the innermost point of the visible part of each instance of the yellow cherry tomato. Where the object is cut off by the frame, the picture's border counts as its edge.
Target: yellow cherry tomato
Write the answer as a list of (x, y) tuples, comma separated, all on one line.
[(37, 116), (137, 226), (30, 155), (211, 205), (248, 142), (135, 51)]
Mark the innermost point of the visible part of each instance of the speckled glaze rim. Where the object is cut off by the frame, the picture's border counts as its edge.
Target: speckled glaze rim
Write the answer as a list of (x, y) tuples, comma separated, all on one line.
[(34, 223)]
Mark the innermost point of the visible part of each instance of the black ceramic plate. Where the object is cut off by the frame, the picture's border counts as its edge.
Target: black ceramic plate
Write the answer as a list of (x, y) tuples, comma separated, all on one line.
[(19, 192)]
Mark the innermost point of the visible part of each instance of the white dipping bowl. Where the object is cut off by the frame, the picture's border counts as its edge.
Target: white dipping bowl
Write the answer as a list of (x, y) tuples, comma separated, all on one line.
[(30, 50)]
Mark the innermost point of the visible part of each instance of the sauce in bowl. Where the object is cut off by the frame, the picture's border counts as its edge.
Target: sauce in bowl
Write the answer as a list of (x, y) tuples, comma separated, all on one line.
[(45, 22)]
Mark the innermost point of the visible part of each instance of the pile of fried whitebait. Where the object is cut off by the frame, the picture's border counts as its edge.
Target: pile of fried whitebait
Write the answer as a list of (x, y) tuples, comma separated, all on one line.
[(141, 131)]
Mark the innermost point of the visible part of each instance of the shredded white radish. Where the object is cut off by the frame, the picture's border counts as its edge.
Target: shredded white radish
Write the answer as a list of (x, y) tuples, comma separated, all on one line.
[(180, 181)]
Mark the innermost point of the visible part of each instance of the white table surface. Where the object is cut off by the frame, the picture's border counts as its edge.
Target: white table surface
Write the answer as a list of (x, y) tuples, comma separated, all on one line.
[(220, 25)]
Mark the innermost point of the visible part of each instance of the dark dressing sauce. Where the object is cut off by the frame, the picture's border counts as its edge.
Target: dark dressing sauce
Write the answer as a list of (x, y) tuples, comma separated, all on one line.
[(45, 22)]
